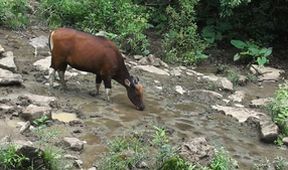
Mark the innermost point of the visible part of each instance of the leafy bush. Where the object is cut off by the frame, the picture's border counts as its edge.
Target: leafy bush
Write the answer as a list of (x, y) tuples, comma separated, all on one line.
[(53, 158), (182, 43), (123, 153), (279, 108), (13, 13), (9, 158), (222, 161), (122, 18), (259, 55)]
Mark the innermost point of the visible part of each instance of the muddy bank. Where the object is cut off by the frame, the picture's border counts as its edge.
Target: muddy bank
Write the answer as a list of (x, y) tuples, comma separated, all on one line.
[(187, 111)]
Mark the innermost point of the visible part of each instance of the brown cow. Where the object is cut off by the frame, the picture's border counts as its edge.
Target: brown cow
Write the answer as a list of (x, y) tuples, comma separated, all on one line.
[(94, 54)]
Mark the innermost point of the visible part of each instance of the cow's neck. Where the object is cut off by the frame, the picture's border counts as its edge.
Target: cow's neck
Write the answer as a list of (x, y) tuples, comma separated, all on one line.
[(121, 75)]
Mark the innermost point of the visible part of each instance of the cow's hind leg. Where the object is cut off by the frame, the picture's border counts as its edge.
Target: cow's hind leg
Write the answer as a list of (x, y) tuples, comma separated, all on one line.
[(61, 74), (51, 77), (108, 86), (98, 83)]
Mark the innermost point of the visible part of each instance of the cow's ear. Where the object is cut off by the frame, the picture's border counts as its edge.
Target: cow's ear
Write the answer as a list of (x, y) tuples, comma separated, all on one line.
[(127, 82)]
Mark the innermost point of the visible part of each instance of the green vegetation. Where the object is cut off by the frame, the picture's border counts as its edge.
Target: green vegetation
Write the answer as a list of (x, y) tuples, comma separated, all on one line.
[(13, 13), (184, 29), (123, 19), (155, 149), (278, 163), (259, 55), (222, 161), (41, 121), (9, 158), (279, 108), (52, 157)]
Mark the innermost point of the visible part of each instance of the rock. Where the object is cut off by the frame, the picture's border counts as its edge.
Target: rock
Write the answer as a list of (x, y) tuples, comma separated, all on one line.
[(138, 57), (143, 61), (179, 89), (25, 127), (238, 96), (176, 71), (9, 78), (225, 83), (71, 157), (206, 93), (6, 108), (92, 168), (163, 64), (78, 163), (241, 114), (269, 130), (33, 112), (266, 73), (242, 80), (132, 63), (285, 141), (74, 143), (239, 105), (1, 49), (260, 102), (221, 82), (142, 165), (39, 42), (7, 62), (38, 99), (151, 69), (159, 87), (197, 151), (43, 64), (190, 72)]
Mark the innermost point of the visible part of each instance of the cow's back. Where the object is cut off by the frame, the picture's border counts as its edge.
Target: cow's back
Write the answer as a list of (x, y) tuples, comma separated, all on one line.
[(84, 51)]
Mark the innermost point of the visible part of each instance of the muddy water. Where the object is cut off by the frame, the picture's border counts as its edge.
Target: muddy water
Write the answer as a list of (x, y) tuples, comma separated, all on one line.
[(188, 117)]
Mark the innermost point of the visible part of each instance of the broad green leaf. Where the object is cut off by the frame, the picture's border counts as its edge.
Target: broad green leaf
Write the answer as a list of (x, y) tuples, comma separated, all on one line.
[(236, 57), (254, 51), (238, 44), (262, 60), (268, 52)]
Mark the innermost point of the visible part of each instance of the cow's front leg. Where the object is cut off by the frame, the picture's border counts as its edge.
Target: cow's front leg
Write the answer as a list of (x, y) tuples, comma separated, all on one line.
[(108, 86)]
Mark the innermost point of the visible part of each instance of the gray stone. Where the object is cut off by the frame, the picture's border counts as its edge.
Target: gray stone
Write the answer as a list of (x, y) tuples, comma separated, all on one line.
[(74, 143), (7, 62), (33, 112), (39, 42), (71, 157), (179, 90), (176, 72), (1, 49), (221, 82), (225, 83), (190, 72), (196, 151), (143, 61), (163, 64), (266, 73), (39, 99), (138, 57), (206, 92), (78, 163), (260, 102), (5, 107), (43, 64), (92, 168), (242, 80), (241, 114), (25, 127), (285, 141), (269, 130), (238, 96), (151, 69), (9, 78)]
